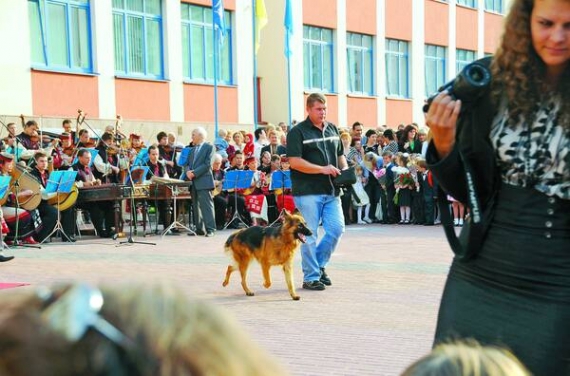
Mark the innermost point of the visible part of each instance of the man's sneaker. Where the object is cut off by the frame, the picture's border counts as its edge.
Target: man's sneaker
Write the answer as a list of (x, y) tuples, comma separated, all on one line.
[(313, 285), (325, 280)]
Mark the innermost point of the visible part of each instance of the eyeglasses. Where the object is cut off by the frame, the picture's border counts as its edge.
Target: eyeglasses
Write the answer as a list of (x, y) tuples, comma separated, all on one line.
[(77, 310)]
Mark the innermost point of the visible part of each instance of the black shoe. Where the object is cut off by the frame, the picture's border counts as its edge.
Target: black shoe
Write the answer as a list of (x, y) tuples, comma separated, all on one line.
[(71, 239), (314, 285), (197, 233), (5, 258), (325, 280), (175, 230), (210, 234)]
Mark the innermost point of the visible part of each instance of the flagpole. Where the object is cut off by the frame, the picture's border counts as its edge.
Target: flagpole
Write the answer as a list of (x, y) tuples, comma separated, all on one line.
[(216, 53), (289, 90), (254, 32)]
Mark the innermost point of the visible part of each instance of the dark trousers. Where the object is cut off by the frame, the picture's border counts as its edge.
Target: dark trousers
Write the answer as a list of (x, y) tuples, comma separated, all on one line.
[(373, 189), (390, 193), (429, 208), (418, 214), (48, 214), (203, 207), (346, 202), (220, 210), (67, 218), (103, 216)]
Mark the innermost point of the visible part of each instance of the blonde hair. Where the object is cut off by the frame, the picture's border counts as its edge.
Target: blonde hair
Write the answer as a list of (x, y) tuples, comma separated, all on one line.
[(467, 358), (182, 336)]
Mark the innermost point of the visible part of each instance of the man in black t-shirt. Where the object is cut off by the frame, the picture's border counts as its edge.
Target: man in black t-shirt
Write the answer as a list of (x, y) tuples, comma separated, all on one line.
[(316, 157)]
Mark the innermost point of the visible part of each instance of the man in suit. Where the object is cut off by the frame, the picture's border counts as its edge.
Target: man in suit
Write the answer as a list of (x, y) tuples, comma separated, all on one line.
[(274, 147), (198, 170)]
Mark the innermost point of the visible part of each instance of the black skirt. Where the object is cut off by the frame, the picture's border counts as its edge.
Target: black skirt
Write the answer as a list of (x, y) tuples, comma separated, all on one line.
[(516, 292)]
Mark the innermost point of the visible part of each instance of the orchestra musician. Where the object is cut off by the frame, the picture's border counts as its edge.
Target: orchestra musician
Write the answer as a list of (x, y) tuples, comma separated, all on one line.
[(102, 214), (29, 138), (65, 152), (168, 154), (47, 211), (237, 164), (106, 162), (67, 128), (85, 141), (28, 223), (158, 169), (220, 197), (274, 147)]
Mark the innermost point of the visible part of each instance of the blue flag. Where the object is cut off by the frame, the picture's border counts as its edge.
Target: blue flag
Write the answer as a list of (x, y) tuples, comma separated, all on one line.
[(218, 19), (288, 23)]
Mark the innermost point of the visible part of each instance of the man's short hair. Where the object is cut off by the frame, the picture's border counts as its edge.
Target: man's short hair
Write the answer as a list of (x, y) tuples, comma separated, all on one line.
[(316, 97), (83, 131), (30, 123), (370, 132), (201, 131), (257, 133), (66, 121), (107, 136), (39, 155), (152, 147), (389, 134), (387, 154), (161, 135), (356, 124), (82, 152)]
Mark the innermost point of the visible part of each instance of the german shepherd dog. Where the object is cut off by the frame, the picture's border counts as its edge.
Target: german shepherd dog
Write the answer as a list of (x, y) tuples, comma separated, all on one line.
[(269, 246)]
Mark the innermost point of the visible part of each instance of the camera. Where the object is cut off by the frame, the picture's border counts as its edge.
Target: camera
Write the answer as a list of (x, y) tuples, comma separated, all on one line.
[(469, 85)]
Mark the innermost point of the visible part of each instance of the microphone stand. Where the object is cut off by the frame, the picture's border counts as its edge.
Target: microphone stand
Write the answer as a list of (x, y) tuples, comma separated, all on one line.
[(130, 239)]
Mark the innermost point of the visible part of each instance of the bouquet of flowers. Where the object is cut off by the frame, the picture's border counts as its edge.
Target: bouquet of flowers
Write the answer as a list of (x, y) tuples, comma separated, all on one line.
[(402, 180), (380, 175)]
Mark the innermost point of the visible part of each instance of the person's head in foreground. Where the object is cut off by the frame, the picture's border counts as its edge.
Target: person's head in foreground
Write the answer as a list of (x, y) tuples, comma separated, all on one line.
[(467, 358), (80, 329)]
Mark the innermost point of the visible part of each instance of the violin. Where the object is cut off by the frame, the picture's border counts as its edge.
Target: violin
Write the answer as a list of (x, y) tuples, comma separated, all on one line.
[(169, 149)]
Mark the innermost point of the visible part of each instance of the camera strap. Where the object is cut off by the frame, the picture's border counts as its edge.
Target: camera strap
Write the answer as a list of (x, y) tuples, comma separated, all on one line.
[(473, 232)]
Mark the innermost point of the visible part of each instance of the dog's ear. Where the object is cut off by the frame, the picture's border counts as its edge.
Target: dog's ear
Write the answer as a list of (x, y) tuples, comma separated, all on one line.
[(296, 212), (286, 213)]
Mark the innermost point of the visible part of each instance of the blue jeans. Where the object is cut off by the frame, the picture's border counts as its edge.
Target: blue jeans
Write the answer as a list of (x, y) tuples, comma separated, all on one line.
[(317, 208)]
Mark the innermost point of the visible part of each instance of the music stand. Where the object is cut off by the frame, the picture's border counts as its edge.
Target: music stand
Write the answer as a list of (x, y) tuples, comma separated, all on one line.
[(280, 180), (175, 224), (4, 185), (142, 158), (237, 179), (137, 174), (183, 158), (59, 182)]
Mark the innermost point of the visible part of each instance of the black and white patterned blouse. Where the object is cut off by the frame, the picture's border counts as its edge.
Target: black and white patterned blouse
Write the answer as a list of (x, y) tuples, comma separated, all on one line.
[(539, 158)]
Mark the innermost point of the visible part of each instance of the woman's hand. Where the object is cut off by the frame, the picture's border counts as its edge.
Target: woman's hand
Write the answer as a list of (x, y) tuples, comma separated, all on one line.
[(442, 121)]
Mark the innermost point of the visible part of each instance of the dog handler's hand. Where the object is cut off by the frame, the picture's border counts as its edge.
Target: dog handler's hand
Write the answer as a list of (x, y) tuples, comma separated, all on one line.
[(442, 120), (331, 170)]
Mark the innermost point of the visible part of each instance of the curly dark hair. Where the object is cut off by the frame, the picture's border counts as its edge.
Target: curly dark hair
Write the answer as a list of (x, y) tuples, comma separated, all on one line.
[(519, 73)]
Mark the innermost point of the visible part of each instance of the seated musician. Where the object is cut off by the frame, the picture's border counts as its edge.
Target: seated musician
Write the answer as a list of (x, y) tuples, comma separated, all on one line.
[(136, 146), (106, 163), (220, 197), (67, 128), (256, 203), (65, 152), (22, 224), (47, 211), (283, 197), (168, 154), (265, 162), (238, 165), (11, 127), (84, 140), (103, 213), (158, 169), (28, 140)]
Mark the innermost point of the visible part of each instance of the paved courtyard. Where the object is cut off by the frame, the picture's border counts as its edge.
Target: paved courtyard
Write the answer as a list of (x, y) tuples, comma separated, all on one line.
[(378, 316)]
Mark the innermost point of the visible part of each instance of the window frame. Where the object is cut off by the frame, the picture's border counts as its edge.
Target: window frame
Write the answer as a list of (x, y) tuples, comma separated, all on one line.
[(440, 62), (461, 61), (125, 13), (207, 28), (365, 53), (323, 46), (400, 54), (467, 3), (495, 6), (44, 25)]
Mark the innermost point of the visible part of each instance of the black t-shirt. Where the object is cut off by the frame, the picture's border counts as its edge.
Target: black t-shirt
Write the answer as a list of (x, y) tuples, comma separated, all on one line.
[(322, 148)]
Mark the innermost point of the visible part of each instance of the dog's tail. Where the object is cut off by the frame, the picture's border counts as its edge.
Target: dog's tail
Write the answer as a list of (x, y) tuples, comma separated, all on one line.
[(228, 245)]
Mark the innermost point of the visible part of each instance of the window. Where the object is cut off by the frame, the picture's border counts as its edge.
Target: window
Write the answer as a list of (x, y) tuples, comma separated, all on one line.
[(463, 58), (494, 6), (397, 68), (197, 45), (435, 68), (468, 3), (360, 54), (138, 38), (60, 35), (318, 58)]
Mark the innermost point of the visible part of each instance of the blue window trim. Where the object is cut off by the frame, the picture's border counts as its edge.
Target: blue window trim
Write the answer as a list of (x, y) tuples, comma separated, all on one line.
[(44, 27), (145, 16), (467, 3), (438, 60), (207, 27), (400, 56), (367, 53), (322, 46)]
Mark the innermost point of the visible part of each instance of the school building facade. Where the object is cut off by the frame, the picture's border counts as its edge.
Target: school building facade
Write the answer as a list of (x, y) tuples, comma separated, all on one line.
[(152, 60)]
